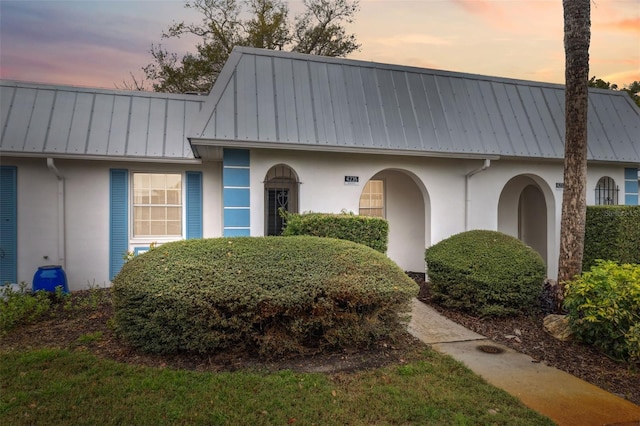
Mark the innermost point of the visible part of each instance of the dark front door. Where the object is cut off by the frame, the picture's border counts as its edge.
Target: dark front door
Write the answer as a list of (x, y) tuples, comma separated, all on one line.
[(278, 198)]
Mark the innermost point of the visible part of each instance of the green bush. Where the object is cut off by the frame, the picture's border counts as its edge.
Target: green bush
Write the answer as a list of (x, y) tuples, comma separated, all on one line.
[(603, 307), (611, 233), (273, 295), (485, 272), (19, 306), (370, 231)]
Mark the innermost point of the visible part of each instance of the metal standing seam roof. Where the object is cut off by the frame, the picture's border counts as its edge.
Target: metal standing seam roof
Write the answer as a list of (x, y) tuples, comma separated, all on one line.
[(273, 99), (64, 121)]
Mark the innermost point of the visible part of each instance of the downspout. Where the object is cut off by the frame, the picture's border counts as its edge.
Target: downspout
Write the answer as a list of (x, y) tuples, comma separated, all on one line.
[(61, 212), (467, 210)]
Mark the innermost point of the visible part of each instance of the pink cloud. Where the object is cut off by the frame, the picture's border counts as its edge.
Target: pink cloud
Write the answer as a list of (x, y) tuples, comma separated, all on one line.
[(631, 25), (478, 7), (491, 12)]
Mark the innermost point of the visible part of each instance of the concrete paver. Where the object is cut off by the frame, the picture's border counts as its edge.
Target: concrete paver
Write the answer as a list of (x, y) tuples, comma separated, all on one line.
[(562, 397)]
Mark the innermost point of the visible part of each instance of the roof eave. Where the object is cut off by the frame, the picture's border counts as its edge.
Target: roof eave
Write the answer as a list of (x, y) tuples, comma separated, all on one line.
[(128, 158), (196, 142)]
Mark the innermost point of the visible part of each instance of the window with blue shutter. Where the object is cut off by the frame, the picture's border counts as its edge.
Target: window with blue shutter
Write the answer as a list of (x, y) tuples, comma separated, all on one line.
[(194, 204), (118, 219), (8, 224)]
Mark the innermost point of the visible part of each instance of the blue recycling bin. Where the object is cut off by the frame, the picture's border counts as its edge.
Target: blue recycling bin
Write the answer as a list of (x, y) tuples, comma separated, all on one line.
[(49, 277)]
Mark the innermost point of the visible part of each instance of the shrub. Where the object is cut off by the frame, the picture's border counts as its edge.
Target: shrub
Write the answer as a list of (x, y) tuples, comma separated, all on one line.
[(274, 295), (370, 231), (611, 233), (19, 306), (603, 307), (485, 272)]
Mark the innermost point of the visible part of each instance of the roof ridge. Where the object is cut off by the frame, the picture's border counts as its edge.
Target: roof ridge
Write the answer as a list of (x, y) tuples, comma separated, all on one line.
[(102, 91)]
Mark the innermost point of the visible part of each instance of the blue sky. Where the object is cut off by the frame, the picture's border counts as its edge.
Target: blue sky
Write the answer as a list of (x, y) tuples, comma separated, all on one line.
[(99, 42)]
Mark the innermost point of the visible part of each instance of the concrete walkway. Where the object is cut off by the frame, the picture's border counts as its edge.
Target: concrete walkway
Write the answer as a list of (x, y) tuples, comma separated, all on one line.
[(562, 397)]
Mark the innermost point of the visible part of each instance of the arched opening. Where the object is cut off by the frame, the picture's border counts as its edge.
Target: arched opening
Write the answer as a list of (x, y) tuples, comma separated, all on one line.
[(401, 198), (606, 192), (526, 213), (281, 187), (532, 224)]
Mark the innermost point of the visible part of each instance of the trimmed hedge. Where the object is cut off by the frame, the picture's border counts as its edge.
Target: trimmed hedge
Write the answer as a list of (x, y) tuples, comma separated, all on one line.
[(612, 233), (273, 295), (485, 272), (603, 308), (370, 231)]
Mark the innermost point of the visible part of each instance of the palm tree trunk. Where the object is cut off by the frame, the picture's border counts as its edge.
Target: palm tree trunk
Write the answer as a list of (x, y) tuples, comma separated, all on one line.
[(577, 34)]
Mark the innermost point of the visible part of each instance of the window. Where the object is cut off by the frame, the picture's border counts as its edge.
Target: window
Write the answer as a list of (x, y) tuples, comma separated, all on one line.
[(157, 204), (372, 199), (606, 192)]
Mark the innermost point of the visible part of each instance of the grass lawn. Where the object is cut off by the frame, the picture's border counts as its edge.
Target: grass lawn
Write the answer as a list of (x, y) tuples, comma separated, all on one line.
[(67, 387)]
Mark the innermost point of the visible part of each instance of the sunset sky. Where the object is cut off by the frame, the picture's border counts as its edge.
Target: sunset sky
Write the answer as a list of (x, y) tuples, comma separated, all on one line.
[(97, 43)]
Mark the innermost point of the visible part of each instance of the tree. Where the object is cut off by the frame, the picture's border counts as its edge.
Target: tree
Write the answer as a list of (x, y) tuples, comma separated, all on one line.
[(577, 34), (255, 23), (632, 89)]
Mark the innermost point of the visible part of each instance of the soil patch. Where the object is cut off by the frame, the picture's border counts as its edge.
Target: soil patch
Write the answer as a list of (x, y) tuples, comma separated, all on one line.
[(525, 333), (89, 329)]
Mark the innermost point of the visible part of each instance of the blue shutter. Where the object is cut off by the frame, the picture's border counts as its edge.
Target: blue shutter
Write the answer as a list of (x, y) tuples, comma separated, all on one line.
[(194, 204), (8, 224), (118, 219)]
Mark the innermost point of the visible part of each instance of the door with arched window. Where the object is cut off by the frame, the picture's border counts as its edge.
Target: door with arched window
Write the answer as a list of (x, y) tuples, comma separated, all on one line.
[(606, 192), (281, 187)]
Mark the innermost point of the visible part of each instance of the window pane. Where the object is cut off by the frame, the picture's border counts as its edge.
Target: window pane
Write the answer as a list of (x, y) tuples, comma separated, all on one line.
[(141, 196), (141, 213), (158, 213), (141, 180), (174, 181), (174, 227), (141, 228), (174, 213), (173, 196), (158, 228), (157, 181)]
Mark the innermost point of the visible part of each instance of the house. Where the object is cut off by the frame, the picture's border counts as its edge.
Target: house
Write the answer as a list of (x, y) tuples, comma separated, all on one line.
[(88, 174)]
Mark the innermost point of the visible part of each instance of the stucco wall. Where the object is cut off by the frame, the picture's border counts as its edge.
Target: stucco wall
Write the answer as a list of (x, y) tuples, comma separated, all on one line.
[(426, 202), (441, 184), (85, 250)]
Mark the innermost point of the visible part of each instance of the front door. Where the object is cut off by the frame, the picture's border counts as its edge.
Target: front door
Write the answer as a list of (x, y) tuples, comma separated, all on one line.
[(278, 198)]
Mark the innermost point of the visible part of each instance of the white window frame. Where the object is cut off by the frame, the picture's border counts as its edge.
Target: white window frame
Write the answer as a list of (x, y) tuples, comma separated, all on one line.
[(142, 242)]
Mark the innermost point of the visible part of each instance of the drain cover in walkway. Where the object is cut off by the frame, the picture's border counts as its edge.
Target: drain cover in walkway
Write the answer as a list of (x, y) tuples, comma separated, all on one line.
[(490, 349)]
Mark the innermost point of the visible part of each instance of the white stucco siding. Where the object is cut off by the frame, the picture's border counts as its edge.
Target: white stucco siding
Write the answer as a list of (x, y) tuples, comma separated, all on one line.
[(415, 187), (493, 200), (87, 223), (84, 252), (37, 216)]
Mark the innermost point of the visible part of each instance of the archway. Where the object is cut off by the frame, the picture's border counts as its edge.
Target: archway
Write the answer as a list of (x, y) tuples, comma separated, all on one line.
[(400, 197), (281, 188), (525, 213)]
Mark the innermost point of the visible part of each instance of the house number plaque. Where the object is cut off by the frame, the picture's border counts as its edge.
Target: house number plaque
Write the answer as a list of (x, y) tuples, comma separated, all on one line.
[(351, 180)]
